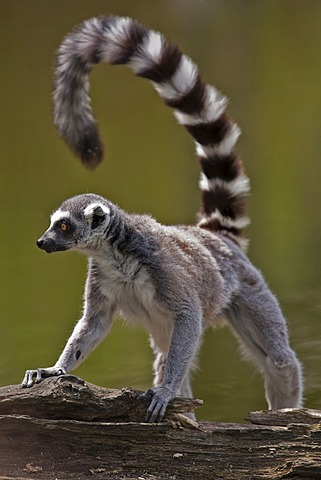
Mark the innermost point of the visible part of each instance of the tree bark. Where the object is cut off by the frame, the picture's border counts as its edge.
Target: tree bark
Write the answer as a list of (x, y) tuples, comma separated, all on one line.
[(65, 428)]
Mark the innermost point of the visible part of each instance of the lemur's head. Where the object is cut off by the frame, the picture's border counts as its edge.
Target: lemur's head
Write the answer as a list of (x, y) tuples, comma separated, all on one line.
[(77, 224)]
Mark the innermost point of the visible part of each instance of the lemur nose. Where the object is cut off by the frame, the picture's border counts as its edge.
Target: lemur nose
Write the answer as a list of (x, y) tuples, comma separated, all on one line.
[(40, 243)]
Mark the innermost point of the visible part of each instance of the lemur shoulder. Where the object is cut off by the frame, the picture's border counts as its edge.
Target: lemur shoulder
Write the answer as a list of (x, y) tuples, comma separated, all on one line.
[(175, 280)]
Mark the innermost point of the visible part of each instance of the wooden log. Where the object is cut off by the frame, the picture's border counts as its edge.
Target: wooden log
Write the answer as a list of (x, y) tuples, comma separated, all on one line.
[(65, 428)]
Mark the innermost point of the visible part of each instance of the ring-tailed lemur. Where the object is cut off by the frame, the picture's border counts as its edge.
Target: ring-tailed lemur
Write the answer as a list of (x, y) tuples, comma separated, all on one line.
[(175, 280)]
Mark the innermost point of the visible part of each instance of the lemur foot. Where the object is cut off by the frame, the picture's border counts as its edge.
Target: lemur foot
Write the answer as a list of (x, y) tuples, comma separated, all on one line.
[(160, 396), (35, 376)]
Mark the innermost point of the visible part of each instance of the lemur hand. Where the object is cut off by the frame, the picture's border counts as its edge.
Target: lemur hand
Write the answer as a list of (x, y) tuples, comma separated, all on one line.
[(35, 376), (160, 396)]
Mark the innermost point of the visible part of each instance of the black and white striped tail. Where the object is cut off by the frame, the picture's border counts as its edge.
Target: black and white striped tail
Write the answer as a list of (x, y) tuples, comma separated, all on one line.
[(200, 108)]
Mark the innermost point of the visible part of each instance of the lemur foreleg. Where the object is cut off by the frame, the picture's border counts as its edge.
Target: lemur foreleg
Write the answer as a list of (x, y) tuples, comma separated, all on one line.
[(184, 345), (159, 370), (87, 334)]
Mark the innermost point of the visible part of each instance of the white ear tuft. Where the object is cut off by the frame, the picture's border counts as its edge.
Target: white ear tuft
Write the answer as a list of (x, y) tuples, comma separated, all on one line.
[(96, 209), (96, 214)]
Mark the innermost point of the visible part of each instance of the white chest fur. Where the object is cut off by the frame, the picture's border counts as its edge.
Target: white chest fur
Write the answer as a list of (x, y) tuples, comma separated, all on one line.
[(127, 283)]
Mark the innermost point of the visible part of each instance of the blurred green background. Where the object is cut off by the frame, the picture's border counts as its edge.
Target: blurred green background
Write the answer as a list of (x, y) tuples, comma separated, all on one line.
[(265, 56)]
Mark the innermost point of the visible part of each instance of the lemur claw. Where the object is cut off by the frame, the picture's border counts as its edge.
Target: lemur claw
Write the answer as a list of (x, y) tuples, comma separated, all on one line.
[(36, 376)]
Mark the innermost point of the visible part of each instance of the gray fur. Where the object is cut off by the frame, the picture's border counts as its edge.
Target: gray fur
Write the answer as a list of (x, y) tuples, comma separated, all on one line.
[(175, 281)]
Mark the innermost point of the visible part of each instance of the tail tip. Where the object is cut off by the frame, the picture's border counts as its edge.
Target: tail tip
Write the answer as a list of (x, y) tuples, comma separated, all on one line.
[(90, 150), (91, 158)]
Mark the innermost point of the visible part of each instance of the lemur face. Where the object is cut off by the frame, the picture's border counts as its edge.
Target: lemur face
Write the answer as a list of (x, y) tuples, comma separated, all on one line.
[(60, 235), (77, 224)]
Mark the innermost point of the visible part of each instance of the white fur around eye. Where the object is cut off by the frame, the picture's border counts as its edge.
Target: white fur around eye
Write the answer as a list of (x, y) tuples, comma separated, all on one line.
[(58, 215)]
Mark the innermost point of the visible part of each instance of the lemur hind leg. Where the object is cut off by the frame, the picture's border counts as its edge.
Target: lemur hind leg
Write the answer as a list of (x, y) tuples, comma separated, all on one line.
[(159, 367), (260, 327)]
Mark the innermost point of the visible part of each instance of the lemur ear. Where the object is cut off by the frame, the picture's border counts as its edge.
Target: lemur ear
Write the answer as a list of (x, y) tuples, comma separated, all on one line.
[(96, 214)]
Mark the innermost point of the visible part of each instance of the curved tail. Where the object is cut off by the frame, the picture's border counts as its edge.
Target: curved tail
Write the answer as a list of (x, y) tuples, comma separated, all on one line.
[(200, 108)]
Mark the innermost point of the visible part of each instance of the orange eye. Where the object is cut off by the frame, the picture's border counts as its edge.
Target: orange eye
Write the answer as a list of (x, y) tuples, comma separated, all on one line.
[(64, 226)]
